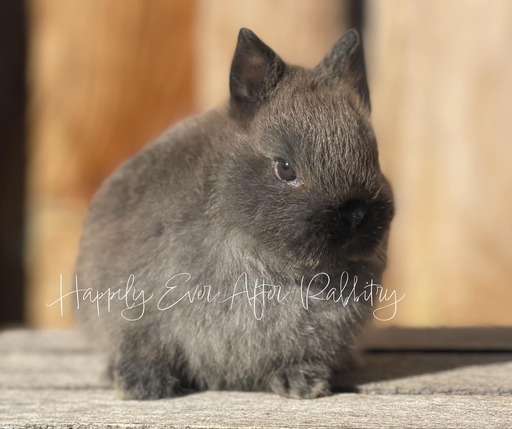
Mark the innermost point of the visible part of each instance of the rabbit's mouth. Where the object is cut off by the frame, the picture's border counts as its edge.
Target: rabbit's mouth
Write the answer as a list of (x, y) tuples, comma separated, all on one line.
[(334, 251), (362, 242), (365, 247)]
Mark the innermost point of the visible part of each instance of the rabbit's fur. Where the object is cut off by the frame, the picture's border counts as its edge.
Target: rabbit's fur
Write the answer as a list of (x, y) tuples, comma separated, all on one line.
[(202, 209)]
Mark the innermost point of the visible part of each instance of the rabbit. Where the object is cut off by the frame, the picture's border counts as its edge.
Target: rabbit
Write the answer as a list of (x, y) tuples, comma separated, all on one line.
[(214, 258)]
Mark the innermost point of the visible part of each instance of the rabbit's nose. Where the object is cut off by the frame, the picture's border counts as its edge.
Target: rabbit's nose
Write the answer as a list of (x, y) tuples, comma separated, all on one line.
[(357, 216), (346, 219), (354, 213)]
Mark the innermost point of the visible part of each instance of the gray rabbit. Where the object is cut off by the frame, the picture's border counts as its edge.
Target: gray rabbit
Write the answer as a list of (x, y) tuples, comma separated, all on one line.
[(235, 252)]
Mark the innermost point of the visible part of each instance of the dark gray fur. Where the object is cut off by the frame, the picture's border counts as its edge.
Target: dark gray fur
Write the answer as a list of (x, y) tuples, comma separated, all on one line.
[(204, 199)]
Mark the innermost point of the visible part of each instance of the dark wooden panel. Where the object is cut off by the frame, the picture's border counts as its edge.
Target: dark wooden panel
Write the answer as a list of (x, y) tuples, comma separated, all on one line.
[(12, 158)]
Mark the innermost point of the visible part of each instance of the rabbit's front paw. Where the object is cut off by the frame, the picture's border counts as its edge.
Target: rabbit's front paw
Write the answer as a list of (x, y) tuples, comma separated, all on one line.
[(137, 379), (301, 382)]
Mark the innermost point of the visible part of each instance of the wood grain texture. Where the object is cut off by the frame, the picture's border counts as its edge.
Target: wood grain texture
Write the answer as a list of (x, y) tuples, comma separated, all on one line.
[(51, 380), (431, 339), (441, 80), (106, 77)]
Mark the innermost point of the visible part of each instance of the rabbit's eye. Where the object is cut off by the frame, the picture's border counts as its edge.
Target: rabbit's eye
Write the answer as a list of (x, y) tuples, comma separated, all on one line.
[(284, 171)]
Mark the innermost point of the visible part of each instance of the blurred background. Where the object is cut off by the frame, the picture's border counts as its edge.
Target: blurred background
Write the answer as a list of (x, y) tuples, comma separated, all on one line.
[(87, 83)]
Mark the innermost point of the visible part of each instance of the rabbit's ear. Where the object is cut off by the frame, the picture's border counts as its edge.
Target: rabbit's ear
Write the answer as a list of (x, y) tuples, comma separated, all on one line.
[(345, 61), (255, 71)]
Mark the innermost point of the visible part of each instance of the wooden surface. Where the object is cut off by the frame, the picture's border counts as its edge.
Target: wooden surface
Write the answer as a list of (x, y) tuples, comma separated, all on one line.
[(106, 77), (52, 380), (440, 76)]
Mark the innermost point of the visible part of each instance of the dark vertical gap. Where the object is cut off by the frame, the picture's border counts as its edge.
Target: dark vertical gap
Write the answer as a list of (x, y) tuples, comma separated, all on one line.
[(355, 14), (12, 159)]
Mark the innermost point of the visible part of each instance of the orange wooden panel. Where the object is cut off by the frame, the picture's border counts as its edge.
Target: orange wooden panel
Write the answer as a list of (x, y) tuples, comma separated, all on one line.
[(106, 77)]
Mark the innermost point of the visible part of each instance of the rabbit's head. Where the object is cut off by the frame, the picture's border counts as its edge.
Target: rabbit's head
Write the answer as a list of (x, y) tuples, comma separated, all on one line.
[(302, 177)]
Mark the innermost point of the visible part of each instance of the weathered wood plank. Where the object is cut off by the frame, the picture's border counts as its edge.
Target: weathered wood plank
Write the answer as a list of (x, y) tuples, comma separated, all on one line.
[(100, 409), (461, 339), (387, 339), (52, 380), (380, 373), (434, 373), (33, 341)]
